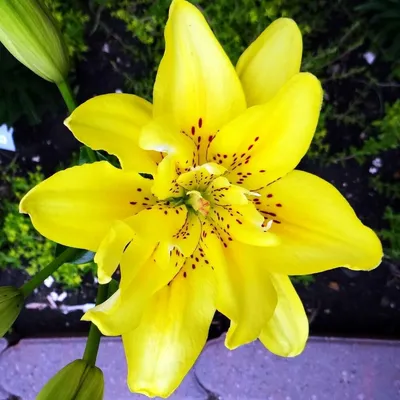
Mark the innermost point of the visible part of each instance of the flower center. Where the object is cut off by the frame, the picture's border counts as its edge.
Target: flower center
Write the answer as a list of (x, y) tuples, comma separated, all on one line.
[(198, 202)]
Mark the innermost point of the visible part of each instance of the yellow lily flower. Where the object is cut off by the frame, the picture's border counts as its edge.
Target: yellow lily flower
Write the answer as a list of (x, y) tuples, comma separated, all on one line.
[(224, 220)]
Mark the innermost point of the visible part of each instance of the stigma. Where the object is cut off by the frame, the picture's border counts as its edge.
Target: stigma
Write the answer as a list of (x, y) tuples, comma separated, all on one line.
[(198, 202)]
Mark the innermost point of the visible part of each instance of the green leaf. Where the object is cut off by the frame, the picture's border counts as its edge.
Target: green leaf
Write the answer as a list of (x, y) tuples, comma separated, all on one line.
[(82, 258), (87, 156)]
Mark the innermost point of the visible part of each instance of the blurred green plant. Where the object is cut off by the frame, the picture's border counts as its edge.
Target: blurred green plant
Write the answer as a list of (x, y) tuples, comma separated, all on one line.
[(72, 20), (383, 135), (383, 21), (23, 93), (21, 247), (390, 235), (320, 146), (304, 280)]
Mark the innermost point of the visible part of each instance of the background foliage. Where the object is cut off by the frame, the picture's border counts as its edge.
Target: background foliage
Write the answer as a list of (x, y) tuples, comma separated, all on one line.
[(22, 247)]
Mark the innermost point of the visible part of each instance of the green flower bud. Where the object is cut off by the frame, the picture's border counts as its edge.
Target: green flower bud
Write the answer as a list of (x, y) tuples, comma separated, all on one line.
[(29, 32), (11, 302), (77, 381)]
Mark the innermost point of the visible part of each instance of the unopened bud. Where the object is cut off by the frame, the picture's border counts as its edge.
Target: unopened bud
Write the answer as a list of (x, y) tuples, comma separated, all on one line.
[(30, 34), (76, 381), (11, 302)]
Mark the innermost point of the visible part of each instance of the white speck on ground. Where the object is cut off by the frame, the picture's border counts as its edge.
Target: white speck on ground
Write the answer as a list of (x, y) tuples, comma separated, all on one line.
[(62, 296), (373, 170), (49, 281), (377, 162), (369, 57), (54, 296)]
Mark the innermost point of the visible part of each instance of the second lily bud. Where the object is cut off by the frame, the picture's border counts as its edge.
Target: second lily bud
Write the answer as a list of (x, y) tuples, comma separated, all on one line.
[(11, 302), (76, 381), (31, 35)]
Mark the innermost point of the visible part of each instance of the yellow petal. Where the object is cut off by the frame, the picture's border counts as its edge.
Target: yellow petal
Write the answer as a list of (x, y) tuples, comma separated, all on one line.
[(148, 264), (76, 207), (123, 313), (103, 315), (179, 236), (165, 185), (200, 177), (268, 141), (135, 255), (113, 122), (196, 82), (188, 236), (317, 228), (111, 248), (270, 61), (242, 223), (162, 135), (222, 193), (148, 222), (171, 334), (245, 293), (286, 333), (125, 248)]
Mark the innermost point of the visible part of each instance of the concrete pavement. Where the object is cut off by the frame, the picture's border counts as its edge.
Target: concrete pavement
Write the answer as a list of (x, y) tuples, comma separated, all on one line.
[(329, 369)]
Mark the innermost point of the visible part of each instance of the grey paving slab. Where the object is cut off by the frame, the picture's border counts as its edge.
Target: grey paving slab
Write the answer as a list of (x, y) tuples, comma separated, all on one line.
[(328, 369), (26, 367), (3, 346)]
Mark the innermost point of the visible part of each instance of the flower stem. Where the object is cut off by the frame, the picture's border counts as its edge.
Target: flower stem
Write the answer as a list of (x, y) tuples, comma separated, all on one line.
[(67, 95), (70, 102), (93, 340), (38, 279)]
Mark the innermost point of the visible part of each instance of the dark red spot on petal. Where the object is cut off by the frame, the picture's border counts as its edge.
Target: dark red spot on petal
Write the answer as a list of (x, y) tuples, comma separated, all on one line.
[(279, 205), (193, 130), (200, 122), (269, 195)]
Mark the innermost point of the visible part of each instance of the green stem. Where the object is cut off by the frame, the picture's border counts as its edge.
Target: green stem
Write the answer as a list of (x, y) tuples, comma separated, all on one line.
[(67, 95), (38, 279), (93, 340), (70, 102)]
